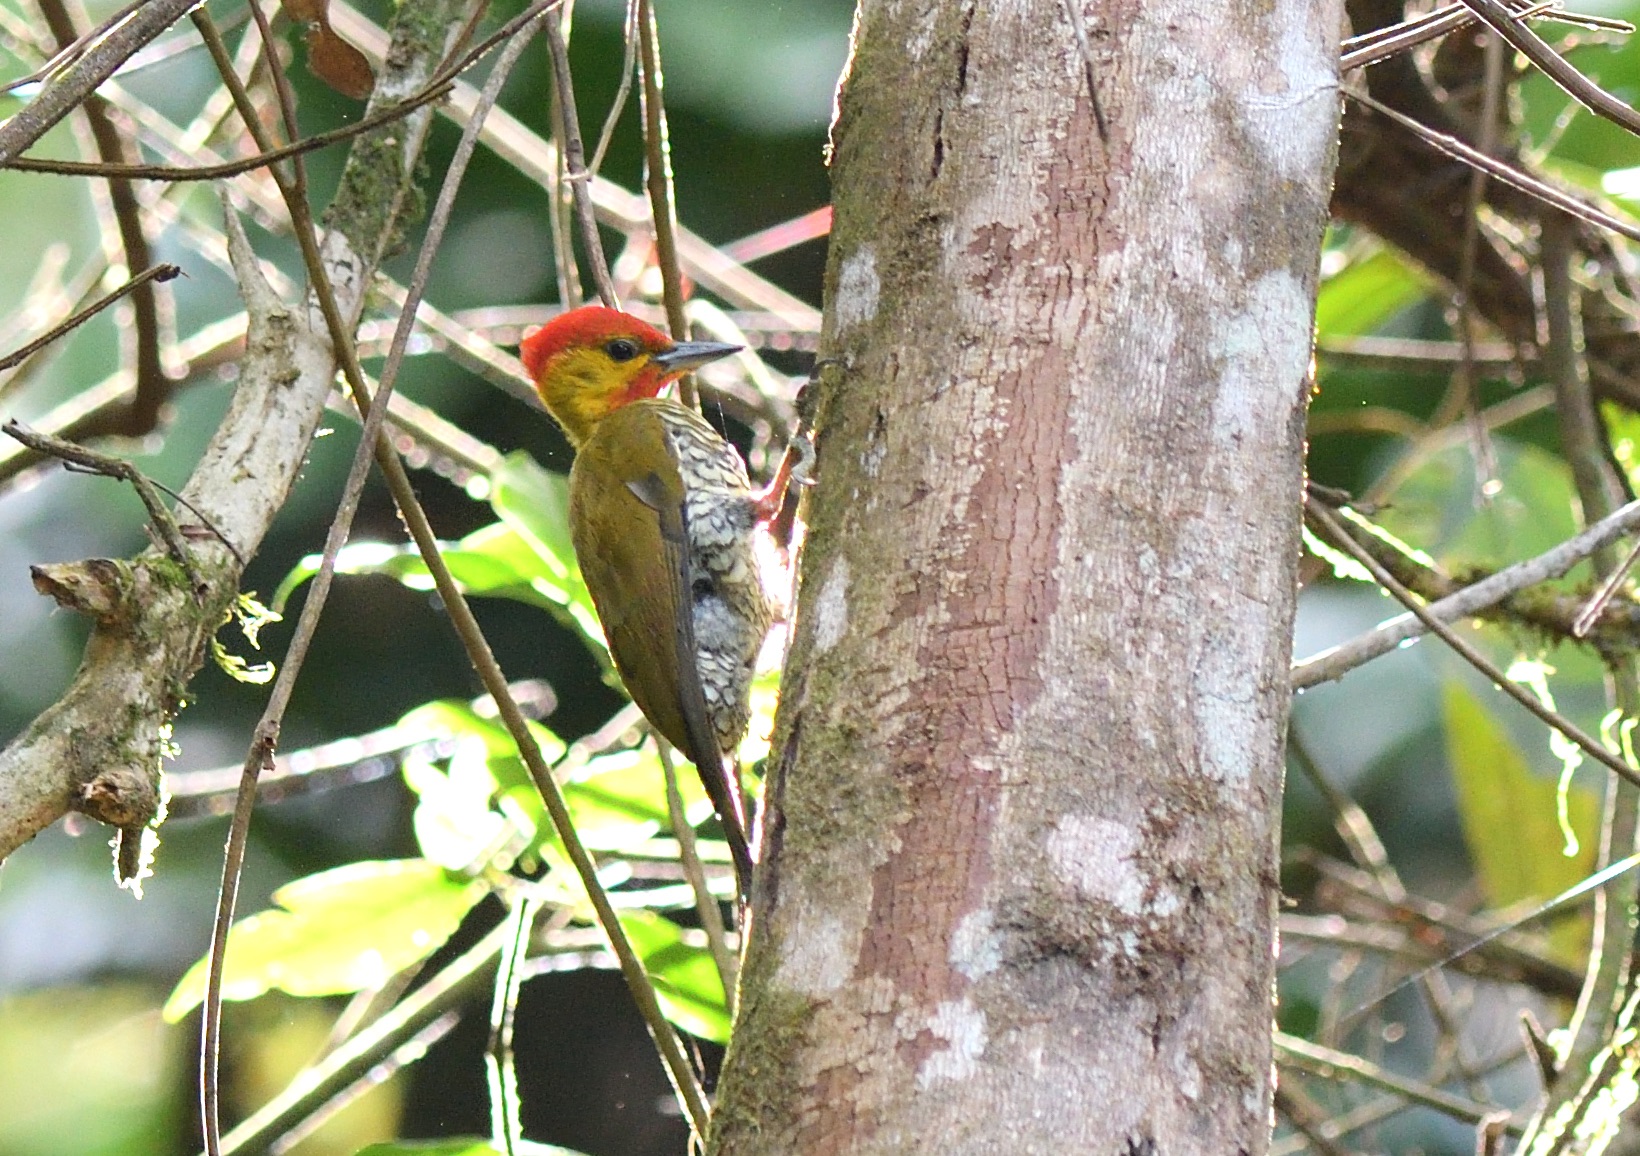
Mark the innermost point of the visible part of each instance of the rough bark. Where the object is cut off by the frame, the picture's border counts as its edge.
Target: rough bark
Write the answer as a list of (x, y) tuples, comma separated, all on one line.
[(1023, 813)]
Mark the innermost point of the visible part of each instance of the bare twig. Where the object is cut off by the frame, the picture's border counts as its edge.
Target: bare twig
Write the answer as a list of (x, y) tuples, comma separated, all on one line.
[(1556, 67), (1590, 745), (658, 179), (1383, 43), (1330, 1064), (64, 92), (706, 904), (152, 273), (505, 1123), (67, 55), (1337, 661), (1307, 1120), (1465, 385), (92, 462), (318, 1085), (1599, 490), (673, 1057), (260, 755), (629, 63), (435, 90), (1506, 173), (616, 208), (1090, 74), (153, 387), (576, 171)]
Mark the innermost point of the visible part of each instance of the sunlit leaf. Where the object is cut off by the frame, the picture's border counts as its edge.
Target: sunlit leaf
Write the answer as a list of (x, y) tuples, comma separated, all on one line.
[(453, 718), (685, 978), (1509, 813), (493, 561), (618, 801), (454, 819), (535, 503), (338, 931), (1366, 294), (455, 825)]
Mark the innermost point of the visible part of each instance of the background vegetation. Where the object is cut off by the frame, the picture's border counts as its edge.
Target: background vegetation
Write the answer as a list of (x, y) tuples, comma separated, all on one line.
[(1455, 784)]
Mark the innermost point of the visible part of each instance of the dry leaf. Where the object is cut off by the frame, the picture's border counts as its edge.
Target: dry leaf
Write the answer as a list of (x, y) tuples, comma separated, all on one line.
[(331, 58), (339, 64)]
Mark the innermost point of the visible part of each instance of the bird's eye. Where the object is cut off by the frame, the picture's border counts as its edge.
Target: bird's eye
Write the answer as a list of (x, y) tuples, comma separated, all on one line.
[(622, 350)]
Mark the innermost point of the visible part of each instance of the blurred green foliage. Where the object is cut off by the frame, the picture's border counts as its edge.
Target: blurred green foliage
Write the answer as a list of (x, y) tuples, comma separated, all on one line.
[(1459, 783)]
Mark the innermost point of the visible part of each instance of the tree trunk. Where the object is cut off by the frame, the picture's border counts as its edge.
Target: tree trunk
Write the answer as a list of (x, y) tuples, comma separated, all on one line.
[(1023, 812)]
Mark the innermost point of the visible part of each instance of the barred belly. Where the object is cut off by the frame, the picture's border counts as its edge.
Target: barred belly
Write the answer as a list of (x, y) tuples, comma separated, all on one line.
[(733, 609)]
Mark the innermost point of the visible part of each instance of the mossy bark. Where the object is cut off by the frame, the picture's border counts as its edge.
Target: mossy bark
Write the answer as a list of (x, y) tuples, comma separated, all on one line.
[(1020, 849), (99, 749)]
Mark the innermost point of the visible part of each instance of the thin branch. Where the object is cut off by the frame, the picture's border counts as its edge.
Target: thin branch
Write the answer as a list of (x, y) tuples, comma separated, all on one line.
[(673, 1057), (68, 54), (267, 731), (1090, 73), (1506, 173), (506, 1126), (1465, 383), (1440, 938), (658, 179), (1556, 67), (1307, 1120), (574, 154), (706, 904), (629, 64), (1332, 1065), (1351, 823), (1382, 43), (616, 208), (265, 739), (91, 462), (318, 1085), (153, 386), (436, 90), (152, 273), (132, 29), (1337, 661), (1590, 745), (1600, 490)]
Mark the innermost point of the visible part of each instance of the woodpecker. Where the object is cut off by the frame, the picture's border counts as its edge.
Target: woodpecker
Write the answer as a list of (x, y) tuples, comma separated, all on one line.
[(665, 525)]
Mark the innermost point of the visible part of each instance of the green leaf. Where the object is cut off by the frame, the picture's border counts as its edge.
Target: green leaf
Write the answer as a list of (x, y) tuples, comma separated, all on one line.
[(1366, 294), (492, 561), (460, 1146), (685, 978), (618, 801), (338, 931), (1531, 512), (454, 817), (534, 502), (1509, 813), (455, 719)]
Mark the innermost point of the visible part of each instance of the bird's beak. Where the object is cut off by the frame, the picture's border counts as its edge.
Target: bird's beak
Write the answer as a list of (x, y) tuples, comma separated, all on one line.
[(687, 355)]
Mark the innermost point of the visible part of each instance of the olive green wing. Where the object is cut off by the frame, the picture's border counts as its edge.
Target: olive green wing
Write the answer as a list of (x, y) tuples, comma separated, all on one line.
[(627, 519)]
